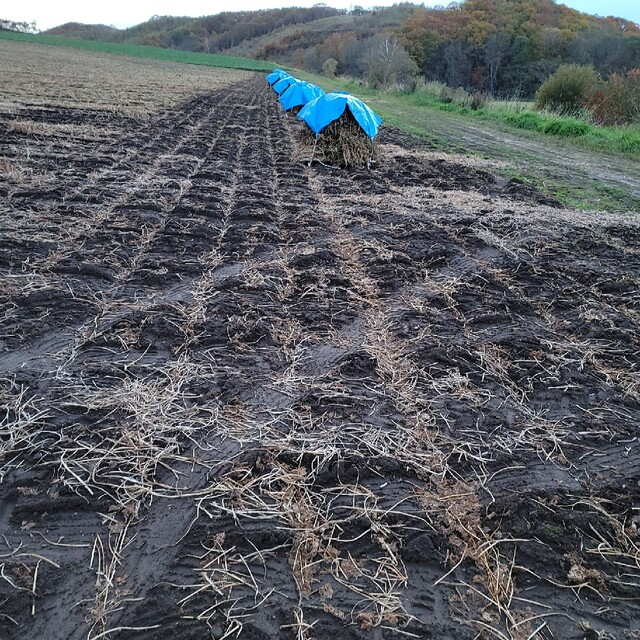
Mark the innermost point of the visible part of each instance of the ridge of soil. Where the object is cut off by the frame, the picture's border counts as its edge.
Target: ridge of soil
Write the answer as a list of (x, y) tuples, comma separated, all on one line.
[(244, 397)]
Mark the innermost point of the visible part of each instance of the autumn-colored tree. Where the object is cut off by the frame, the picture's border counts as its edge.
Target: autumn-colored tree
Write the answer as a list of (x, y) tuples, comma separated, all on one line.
[(505, 47)]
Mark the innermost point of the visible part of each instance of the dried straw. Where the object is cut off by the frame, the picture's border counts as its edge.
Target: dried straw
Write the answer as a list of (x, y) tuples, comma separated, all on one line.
[(343, 143)]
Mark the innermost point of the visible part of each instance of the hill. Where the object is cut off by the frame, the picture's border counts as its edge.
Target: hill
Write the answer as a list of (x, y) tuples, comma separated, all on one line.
[(83, 31), (504, 47)]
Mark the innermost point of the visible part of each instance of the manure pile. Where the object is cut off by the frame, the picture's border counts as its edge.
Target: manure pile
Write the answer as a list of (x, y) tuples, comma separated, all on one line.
[(244, 398)]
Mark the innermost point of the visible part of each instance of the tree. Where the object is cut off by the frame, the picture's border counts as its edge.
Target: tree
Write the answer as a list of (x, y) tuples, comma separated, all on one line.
[(618, 102), (351, 56), (312, 60), (458, 64), (516, 73), (495, 49), (387, 62), (21, 27)]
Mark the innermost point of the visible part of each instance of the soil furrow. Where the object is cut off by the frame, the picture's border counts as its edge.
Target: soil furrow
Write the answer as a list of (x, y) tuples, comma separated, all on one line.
[(247, 397)]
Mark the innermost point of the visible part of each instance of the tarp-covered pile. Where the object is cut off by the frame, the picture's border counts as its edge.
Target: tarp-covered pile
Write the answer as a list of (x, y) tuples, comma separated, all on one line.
[(276, 75), (283, 84), (343, 126), (328, 108), (299, 94)]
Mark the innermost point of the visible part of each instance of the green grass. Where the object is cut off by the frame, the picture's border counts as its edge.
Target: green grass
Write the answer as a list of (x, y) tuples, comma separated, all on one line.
[(140, 51), (581, 195), (623, 140)]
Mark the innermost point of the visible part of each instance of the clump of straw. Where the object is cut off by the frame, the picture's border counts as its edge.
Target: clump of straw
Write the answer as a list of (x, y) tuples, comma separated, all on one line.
[(343, 143)]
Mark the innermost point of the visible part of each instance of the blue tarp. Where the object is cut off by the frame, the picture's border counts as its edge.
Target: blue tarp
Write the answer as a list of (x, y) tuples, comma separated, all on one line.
[(276, 75), (324, 110), (299, 94), (283, 84)]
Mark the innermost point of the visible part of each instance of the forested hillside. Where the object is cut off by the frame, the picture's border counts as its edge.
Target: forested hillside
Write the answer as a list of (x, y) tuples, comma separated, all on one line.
[(503, 47)]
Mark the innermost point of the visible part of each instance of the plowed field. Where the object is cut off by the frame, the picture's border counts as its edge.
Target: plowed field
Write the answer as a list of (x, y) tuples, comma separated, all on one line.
[(243, 397)]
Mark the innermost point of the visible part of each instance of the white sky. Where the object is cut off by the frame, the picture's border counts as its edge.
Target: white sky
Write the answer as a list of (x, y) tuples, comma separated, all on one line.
[(125, 13)]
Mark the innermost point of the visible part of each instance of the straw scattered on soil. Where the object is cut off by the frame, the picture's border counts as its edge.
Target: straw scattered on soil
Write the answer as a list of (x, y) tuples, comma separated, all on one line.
[(243, 397)]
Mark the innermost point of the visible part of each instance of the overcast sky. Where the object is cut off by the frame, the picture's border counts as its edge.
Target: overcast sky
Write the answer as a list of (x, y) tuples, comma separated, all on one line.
[(125, 13)]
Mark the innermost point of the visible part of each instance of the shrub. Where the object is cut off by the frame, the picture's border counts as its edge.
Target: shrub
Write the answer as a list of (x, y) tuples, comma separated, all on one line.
[(462, 98), (329, 67), (446, 95), (432, 89), (569, 89), (618, 102), (478, 100)]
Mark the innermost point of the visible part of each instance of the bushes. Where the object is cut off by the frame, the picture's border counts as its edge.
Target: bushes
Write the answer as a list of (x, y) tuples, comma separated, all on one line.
[(618, 102), (329, 67), (462, 98), (568, 90), (572, 89)]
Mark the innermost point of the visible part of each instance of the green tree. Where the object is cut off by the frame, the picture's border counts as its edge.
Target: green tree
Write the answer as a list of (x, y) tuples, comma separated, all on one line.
[(329, 67), (21, 27)]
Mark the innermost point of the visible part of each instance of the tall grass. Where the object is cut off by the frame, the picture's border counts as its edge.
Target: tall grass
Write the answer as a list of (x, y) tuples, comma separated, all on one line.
[(141, 51), (522, 115)]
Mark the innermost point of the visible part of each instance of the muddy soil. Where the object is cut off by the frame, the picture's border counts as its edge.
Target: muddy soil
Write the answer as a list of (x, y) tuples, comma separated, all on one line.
[(243, 397)]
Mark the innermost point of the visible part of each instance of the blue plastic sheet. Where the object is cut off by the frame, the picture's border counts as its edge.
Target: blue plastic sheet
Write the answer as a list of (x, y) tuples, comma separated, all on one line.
[(276, 75), (283, 84), (322, 111), (299, 94)]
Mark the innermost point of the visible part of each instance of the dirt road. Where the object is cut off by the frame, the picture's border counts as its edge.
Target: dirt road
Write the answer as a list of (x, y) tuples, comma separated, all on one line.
[(248, 398), (549, 157)]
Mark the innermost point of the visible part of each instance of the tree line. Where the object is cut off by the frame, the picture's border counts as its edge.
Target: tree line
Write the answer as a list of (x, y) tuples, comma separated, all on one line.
[(509, 47), (20, 27), (500, 47)]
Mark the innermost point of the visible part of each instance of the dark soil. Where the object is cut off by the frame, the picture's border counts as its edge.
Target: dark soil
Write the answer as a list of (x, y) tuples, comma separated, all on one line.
[(242, 397)]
